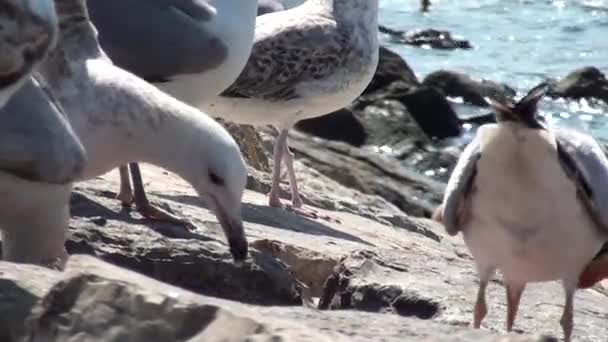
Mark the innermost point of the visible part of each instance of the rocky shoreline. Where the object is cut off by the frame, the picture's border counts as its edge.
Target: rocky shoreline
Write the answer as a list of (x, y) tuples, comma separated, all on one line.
[(371, 266)]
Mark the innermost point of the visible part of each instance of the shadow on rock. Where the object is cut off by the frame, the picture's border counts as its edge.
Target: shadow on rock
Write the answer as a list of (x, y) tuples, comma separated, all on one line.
[(353, 286)]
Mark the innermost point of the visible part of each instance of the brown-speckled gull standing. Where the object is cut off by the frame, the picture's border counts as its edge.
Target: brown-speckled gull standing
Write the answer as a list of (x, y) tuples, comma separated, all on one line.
[(307, 61)]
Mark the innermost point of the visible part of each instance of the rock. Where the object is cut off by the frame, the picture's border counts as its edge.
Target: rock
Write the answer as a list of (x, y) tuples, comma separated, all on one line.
[(405, 284), (388, 123), (425, 5), (159, 250), (249, 142), (377, 259), (457, 84), (434, 39), (587, 82), (96, 301), (309, 266), (352, 287), (269, 6), (370, 173), (432, 112), (391, 68), (341, 125)]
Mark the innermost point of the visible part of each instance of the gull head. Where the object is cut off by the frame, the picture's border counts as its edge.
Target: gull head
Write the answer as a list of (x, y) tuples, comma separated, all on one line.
[(221, 182), (28, 30), (524, 112)]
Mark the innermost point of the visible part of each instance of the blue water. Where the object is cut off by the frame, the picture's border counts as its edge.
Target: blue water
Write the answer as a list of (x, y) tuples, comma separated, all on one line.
[(516, 42)]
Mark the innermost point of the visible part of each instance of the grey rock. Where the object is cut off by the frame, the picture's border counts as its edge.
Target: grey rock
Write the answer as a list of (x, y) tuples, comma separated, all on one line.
[(370, 173), (198, 262), (434, 39), (457, 84), (587, 82), (96, 301)]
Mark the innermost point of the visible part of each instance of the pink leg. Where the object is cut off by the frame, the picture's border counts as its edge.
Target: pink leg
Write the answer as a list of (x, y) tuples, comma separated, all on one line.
[(296, 200), (514, 292), (295, 194), (125, 195), (145, 208), (279, 146), (481, 309)]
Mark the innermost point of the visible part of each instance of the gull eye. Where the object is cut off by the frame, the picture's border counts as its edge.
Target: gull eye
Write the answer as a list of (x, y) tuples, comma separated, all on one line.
[(215, 179)]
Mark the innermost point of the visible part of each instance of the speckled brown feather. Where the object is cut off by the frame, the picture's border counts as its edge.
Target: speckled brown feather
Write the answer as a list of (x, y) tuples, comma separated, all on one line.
[(313, 50)]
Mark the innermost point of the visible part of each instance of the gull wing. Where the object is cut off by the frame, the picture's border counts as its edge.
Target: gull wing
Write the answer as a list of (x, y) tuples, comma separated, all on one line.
[(459, 186)]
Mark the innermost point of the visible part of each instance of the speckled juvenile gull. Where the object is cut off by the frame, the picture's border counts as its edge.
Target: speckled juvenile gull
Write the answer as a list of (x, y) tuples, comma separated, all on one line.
[(28, 31), (530, 201), (121, 118), (306, 62), (198, 49)]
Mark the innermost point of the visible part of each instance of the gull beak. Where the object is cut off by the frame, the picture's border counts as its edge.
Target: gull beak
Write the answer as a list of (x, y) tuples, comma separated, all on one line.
[(234, 231)]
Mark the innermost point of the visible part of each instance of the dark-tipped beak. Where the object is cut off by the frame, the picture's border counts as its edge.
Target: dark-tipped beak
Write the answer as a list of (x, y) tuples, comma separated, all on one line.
[(238, 245), (235, 233)]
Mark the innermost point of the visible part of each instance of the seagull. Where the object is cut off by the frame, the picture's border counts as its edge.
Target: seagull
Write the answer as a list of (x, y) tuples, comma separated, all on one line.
[(191, 49), (29, 30), (40, 157), (530, 201), (307, 61), (119, 117)]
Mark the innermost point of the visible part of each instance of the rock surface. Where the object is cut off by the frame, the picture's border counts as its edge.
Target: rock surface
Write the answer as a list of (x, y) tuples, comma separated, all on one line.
[(375, 273), (342, 125), (368, 267), (96, 301), (457, 84)]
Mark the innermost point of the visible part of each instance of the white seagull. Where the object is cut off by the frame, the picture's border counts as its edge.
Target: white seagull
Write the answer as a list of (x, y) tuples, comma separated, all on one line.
[(120, 117), (191, 49), (530, 201), (39, 153)]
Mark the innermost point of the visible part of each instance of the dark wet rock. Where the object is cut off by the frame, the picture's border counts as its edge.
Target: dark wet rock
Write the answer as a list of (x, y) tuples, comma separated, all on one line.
[(435, 39), (370, 173), (588, 82), (269, 6), (457, 84), (341, 125), (425, 5), (433, 113), (391, 68)]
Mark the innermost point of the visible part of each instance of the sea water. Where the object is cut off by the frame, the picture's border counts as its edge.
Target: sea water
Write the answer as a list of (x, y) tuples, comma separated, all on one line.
[(517, 42)]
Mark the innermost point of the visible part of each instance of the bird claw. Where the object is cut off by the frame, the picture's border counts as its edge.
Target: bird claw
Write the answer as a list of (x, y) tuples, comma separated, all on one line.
[(151, 212), (125, 197)]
